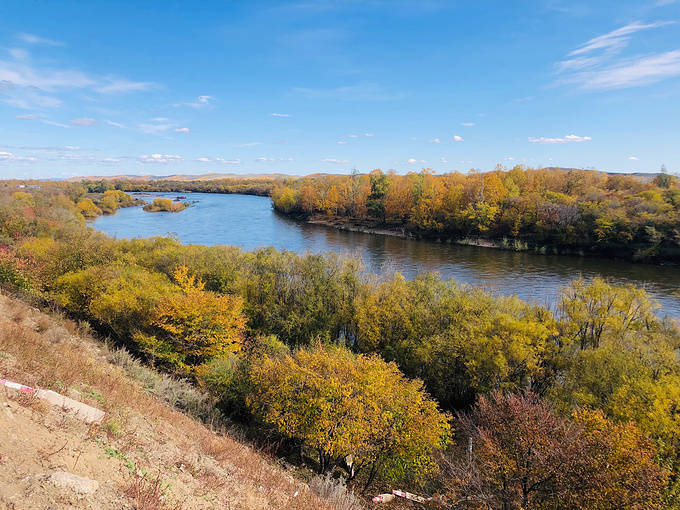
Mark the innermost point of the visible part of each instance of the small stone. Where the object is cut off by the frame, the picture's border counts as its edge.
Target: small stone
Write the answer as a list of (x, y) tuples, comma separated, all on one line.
[(76, 483)]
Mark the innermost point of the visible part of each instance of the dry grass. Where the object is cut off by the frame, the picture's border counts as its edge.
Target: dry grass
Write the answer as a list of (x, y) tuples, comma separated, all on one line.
[(140, 430), (149, 494), (335, 492)]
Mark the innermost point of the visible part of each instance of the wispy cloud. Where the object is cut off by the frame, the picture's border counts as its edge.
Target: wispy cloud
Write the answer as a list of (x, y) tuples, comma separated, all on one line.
[(358, 92), (369, 134), (52, 123), (413, 161), (155, 128), (457, 138), (35, 39), (342, 142), (29, 116), (633, 158), (8, 156), (443, 160), (86, 121), (122, 86), (262, 159), (24, 83), (184, 130), (616, 39), (203, 101), (336, 161), (467, 124), (281, 115), (160, 158), (115, 124), (598, 65), (248, 144), (566, 139), (435, 140)]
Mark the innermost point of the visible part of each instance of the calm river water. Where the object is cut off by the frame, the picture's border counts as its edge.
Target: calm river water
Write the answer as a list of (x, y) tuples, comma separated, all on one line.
[(250, 222)]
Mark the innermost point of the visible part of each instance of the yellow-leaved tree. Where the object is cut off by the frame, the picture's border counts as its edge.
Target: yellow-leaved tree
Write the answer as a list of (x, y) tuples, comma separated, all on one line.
[(357, 412), (193, 326)]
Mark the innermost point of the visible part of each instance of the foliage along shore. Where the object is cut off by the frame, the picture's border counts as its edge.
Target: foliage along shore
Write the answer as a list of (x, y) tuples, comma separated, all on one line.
[(381, 381), (547, 210)]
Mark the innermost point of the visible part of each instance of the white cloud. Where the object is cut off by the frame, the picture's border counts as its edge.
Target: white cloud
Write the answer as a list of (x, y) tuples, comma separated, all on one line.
[(249, 144), (29, 99), (340, 142), (615, 39), (457, 138), (52, 123), (281, 115), (633, 72), (8, 156), (110, 160), (336, 161), (566, 139), (34, 39), (85, 121), (182, 130), (262, 159), (204, 101), (204, 160), (28, 117), (160, 158), (369, 134), (596, 65), (359, 92), (152, 129), (115, 124), (443, 159), (413, 161), (435, 140), (121, 86), (467, 124), (236, 161), (352, 136), (23, 83), (633, 158)]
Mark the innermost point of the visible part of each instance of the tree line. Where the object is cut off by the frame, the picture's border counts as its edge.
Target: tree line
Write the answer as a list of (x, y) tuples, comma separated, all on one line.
[(549, 210), (485, 401)]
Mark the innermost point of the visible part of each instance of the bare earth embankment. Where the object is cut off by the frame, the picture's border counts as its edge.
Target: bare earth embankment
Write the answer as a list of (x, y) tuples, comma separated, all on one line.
[(145, 454)]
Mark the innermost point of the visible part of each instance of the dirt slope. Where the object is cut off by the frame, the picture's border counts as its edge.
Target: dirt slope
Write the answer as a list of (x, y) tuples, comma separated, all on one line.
[(143, 455)]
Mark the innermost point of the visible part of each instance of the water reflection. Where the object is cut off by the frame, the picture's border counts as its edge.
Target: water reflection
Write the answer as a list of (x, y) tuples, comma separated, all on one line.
[(250, 222)]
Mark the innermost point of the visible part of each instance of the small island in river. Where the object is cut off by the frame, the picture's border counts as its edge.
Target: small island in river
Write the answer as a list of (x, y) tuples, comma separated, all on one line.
[(165, 205)]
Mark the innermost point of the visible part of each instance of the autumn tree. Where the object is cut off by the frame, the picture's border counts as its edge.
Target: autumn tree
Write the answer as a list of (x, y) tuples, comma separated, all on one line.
[(88, 209), (513, 451), (193, 326), (353, 411)]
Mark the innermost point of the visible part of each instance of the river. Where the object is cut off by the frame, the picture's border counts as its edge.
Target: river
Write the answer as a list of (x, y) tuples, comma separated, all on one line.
[(250, 222)]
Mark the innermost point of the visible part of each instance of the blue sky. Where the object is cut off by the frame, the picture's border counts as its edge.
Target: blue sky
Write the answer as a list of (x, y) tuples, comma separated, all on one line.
[(165, 87)]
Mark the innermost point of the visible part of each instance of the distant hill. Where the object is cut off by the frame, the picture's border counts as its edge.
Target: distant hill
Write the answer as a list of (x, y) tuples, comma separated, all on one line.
[(178, 177)]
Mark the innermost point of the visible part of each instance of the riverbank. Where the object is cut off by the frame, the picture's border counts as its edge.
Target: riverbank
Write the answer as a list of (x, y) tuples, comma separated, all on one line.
[(508, 244)]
